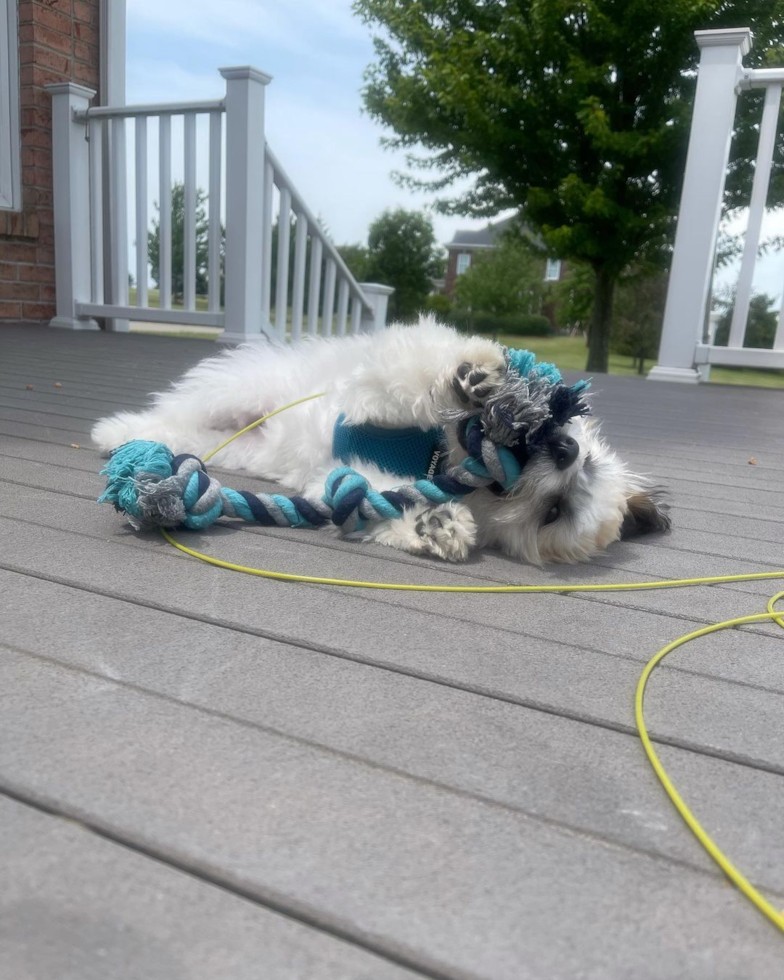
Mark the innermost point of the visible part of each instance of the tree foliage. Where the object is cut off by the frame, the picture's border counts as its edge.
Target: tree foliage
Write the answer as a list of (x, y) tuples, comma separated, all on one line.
[(760, 325), (638, 316), (575, 112), (178, 242), (507, 279), (403, 253)]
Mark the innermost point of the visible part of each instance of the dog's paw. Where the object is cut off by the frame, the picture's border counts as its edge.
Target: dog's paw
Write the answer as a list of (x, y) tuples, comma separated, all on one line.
[(474, 383), (447, 531)]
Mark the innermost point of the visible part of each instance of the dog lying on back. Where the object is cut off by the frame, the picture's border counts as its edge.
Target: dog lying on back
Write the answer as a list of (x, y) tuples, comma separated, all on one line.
[(574, 497)]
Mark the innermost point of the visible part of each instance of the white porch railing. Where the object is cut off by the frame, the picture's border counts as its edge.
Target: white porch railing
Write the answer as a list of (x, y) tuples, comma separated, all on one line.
[(310, 291), (722, 78)]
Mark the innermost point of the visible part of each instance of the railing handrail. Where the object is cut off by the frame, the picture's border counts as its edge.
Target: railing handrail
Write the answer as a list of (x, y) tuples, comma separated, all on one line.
[(298, 206), (154, 109), (761, 77)]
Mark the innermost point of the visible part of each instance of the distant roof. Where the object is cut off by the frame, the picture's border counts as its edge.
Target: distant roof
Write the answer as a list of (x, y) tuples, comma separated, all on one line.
[(478, 237)]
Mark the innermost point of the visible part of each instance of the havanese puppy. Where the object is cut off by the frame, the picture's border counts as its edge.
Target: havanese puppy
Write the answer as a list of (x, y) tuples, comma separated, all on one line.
[(388, 411)]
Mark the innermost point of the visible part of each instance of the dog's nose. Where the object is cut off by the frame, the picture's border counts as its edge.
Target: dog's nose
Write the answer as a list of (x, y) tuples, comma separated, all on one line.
[(564, 451)]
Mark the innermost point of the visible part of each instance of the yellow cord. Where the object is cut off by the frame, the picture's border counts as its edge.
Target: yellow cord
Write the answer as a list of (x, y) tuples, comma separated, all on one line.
[(729, 869)]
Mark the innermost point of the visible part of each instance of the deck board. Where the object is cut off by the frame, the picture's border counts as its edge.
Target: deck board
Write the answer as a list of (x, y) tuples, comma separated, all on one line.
[(416, 779)]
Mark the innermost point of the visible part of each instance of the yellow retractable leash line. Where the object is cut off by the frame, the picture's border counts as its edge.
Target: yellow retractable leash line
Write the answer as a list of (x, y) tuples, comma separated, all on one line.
[(721, 859)]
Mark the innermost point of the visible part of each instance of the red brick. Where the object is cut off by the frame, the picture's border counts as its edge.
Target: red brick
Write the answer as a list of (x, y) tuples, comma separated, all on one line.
[(46, 236), (33, 197), (86, 73), (36, 137), (86, 52), (48, 294), (35, 116), (52, 60), (26, 54), (14, 224), (44, 256), (33, 273), (9, 270), (36, 176), (85, 33), (41, 158), (45, 216), (64, 6), (37, 311), (13, 252), (38, 14), (10, 311), (19, 290), (83, 11), (51, 39), (32, 225)]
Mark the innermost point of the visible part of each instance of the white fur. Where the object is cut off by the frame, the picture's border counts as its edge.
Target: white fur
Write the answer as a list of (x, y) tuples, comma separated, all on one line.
[(400, 377)]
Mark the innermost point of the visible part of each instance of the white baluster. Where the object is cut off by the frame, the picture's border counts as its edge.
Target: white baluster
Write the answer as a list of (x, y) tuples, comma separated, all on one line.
[(119, 222), (327, 310), (165, 215), (342, 307), (214, 233), (356, 315), (298, 293), (314, 287), (96, 210), (759, 194), (141, 211), (189, 214), (266, 249), (282, 279)]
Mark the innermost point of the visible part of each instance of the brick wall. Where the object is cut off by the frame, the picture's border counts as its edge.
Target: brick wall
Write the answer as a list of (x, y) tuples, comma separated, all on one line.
[(58, 42)]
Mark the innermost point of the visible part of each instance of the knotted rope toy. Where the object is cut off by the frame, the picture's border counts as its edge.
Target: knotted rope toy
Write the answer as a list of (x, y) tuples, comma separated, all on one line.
[(154, 488)]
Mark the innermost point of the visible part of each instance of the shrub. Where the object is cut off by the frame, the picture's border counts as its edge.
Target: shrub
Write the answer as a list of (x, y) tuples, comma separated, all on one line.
[(441, 305), (515, 324)]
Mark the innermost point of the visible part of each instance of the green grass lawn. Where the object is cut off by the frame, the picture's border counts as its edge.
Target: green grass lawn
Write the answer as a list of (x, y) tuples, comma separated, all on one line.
[(570, 353), (154, 300), (566, 352)]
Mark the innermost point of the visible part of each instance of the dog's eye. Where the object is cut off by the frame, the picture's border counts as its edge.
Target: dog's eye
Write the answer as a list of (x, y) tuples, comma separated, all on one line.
[(552, 514)]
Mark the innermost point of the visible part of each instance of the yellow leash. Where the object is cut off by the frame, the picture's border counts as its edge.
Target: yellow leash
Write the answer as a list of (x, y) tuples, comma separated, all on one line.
[(721, 859)]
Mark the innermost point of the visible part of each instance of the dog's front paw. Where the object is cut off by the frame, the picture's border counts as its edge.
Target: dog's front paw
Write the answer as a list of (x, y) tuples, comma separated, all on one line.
[(447, 531), (474, 383)]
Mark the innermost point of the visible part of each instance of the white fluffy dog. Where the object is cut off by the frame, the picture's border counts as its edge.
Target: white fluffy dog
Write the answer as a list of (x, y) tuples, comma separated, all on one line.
[(573, 499)]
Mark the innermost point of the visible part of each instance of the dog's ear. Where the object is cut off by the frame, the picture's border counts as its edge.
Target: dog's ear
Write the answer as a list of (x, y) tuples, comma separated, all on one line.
[(644, 514)]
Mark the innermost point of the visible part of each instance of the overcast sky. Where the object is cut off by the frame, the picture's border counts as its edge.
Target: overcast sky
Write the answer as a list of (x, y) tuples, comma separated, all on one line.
[(316, 51)]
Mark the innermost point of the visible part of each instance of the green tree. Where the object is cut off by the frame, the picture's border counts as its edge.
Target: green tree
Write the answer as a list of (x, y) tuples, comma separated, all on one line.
[(357, 259), (638, 316), (575, 112), (504, 280), (403, 253), (178, 242), (760, 326)]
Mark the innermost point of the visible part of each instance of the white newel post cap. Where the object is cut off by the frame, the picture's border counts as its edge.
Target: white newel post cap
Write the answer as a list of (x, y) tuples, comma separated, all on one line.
[(240, 72), (70, 88), (733, 37)]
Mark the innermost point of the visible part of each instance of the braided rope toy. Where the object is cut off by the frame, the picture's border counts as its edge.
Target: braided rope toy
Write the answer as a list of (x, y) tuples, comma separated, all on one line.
[(154, 488)]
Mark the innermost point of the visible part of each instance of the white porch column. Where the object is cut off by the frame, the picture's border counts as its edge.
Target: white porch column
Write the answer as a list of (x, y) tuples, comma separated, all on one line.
[(245, 215), (378, 297), (701, 200), (71, 173)]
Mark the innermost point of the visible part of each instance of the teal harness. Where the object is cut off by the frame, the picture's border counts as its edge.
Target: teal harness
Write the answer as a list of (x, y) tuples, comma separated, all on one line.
[(411, 453)]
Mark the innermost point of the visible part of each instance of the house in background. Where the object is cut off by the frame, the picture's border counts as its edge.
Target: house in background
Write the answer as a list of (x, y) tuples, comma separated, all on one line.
[(467, 244)]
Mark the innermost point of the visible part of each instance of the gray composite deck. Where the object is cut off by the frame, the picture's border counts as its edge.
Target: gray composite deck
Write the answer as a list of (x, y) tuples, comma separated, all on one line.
[(208, 775)]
